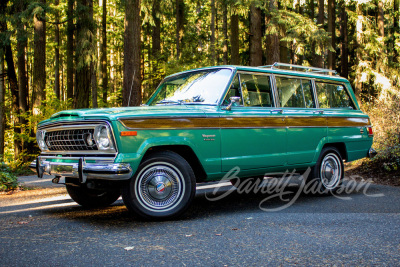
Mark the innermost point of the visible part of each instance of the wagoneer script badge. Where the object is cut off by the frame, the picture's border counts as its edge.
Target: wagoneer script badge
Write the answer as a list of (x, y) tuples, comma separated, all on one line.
[(209, 137)]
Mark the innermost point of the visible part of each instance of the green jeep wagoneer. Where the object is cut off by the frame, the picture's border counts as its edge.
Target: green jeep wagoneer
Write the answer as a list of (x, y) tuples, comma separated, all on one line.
[(199, 125)]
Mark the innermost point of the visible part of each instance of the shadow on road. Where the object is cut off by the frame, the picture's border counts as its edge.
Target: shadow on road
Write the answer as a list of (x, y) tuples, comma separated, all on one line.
[(225, 202)]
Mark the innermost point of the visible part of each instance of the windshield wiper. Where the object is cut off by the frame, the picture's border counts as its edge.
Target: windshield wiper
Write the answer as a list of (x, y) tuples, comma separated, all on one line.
[(169, 102)]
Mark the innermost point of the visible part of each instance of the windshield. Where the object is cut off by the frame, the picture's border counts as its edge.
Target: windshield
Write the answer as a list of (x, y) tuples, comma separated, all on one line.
[(199, 87)]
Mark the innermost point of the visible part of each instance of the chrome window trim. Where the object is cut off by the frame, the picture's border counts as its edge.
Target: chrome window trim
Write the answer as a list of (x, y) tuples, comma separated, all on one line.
[(314, 88), (220, 99), (270, 75)]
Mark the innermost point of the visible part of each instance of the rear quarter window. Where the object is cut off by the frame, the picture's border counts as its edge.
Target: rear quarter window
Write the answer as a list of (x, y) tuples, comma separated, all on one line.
[(331, 95)]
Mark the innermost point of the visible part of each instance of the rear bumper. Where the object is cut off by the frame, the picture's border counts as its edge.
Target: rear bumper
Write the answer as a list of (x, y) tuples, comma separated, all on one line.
[(101, 169), (371, 153)]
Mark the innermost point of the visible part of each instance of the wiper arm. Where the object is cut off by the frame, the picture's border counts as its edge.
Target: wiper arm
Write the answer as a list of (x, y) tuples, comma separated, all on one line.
[(169, 102)]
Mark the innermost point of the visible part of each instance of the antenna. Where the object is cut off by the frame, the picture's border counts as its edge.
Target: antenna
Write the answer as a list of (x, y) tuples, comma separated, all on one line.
[(130, 93)]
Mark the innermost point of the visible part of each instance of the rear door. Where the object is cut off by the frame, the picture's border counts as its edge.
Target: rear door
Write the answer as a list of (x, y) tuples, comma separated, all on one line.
[(253, 132), (306, 126)]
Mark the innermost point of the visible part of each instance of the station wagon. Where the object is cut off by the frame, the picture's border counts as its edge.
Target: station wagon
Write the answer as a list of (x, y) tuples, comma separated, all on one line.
[(196, 127)]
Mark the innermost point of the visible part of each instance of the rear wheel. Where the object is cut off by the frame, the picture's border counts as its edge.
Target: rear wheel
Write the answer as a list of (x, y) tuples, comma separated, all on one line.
[(92, 198), (328, 172), (162, 188)]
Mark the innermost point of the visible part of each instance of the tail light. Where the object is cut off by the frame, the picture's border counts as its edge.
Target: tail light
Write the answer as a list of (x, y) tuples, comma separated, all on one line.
[(370, 131)]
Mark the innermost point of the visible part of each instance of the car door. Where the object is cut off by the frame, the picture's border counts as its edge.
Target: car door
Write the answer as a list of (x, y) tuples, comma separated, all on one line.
[(306, 126), (253, 133)]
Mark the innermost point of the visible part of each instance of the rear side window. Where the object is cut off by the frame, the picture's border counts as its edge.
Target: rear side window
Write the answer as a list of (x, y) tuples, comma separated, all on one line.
[(294, 92), (333, 96)]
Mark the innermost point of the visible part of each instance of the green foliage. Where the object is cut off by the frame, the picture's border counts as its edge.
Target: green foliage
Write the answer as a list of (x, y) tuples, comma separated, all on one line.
[(299, 30), (8, 180)]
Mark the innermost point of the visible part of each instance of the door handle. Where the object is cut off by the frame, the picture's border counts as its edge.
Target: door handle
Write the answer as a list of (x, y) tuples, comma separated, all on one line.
[(318, 111), (277, 110)]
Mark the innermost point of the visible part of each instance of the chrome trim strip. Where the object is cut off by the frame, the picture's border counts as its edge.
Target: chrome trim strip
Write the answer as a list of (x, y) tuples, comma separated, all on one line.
[(165, 117), (77, 158), (68, 127), (76, 152)]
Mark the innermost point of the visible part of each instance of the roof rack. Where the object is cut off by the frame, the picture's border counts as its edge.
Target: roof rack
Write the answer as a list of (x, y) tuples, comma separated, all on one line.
[(293, 67)]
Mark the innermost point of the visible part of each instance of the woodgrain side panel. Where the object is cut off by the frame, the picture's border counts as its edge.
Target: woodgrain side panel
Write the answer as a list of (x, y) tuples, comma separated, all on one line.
[(243, 122), (171, 123), (347, 122)]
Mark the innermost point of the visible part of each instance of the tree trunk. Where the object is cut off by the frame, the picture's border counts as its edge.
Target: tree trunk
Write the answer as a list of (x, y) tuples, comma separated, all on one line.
[(396, 29), (57, 53), (212, 39), (22, 77), (359, 52), (255, 36), (344, 47), (235, 60), (93, 63), (104, 64), (312, 16), (331, 30), (284, 52), (2, 113), (20, 121), (225, 32), (272, 45), (318, 60), (13, 85), (84, 53), (70, 50), (39, 62), (179, 26), (381, 28), (132, 80), (156, 42)]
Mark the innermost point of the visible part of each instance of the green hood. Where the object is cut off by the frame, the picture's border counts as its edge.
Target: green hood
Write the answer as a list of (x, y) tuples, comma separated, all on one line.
[(125, 112)]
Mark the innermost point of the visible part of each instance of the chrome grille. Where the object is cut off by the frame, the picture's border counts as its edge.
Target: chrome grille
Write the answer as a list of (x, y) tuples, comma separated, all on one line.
[(70, 140)]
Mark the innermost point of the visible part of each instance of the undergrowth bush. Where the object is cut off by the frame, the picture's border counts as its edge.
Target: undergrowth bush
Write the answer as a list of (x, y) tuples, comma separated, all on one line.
[(385, 118), (8, 180)]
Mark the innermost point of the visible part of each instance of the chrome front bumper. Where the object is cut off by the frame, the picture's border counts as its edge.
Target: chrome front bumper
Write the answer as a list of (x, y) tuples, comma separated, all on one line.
[(104, 170)]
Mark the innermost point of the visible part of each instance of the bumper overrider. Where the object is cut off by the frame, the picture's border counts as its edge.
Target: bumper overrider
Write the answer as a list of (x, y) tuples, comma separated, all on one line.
[(78, 167)]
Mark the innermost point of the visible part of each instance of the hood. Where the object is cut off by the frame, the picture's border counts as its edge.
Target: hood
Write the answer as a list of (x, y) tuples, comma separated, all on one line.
[(128, 112)]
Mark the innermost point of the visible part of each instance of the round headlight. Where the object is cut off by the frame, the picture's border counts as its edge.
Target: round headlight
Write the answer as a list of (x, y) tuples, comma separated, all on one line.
[(89, 139)]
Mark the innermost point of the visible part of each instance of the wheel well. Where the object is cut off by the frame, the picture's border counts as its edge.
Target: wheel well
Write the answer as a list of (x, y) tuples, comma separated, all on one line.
[(339, 146), (185, 152)]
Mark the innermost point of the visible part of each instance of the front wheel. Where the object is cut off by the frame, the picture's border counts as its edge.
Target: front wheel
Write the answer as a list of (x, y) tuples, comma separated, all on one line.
[(92, 198), (328, 172), (162, 188)]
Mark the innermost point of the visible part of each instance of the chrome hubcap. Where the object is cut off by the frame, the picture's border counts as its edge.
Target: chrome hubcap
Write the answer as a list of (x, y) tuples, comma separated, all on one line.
[(331, 171), (159, 187)]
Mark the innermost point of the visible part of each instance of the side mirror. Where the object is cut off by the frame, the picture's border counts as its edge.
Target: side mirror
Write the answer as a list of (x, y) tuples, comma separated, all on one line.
[(234, 99)]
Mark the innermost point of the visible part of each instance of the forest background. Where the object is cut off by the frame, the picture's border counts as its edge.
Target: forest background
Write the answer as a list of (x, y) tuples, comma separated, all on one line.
[(63, 54)]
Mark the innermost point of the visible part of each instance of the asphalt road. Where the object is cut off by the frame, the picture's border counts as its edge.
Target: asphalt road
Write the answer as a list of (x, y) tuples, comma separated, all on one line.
[(44, 227)]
